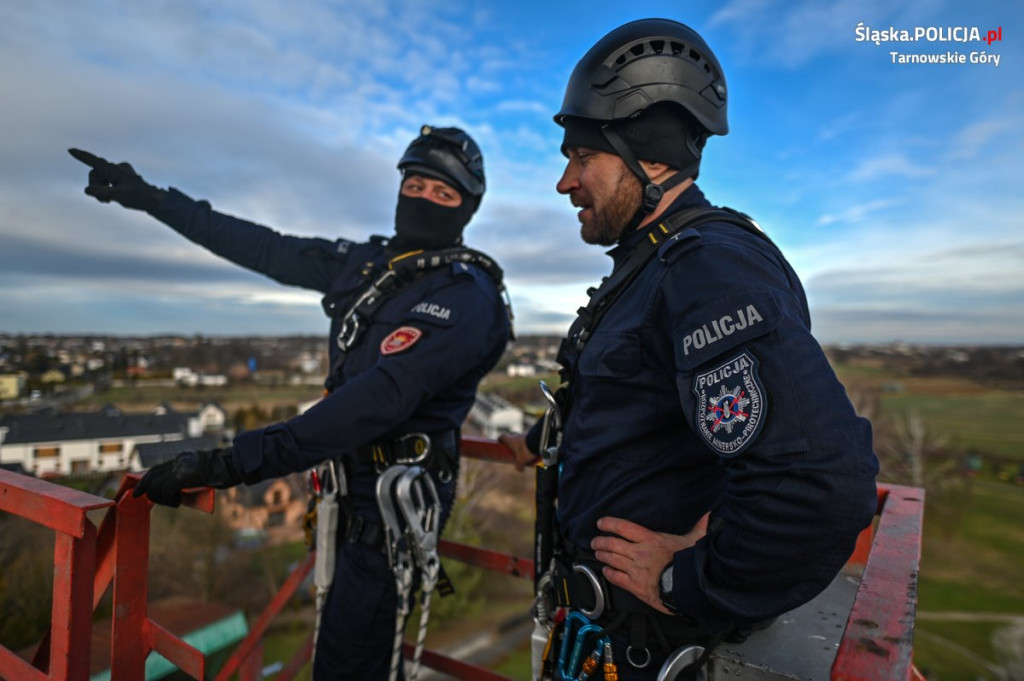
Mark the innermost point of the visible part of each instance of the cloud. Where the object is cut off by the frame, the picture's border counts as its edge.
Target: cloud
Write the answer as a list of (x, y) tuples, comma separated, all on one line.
[(893, 164), (294, 113), (791, 34), (855, 214), (972, 141)]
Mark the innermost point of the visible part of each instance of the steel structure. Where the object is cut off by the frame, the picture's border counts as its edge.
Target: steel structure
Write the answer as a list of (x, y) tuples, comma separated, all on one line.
[(877, 644)]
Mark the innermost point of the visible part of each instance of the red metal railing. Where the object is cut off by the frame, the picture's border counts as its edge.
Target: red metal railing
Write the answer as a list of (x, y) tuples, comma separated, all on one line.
[(877, 643)]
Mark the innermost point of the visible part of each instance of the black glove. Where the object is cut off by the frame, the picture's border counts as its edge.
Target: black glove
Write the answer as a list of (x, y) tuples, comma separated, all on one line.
[(209, 468), (109, 182)]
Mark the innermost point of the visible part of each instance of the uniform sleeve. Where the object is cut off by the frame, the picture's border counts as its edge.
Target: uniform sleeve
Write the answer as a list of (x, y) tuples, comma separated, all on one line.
[(757, 390), (452, 339), (296, 261)]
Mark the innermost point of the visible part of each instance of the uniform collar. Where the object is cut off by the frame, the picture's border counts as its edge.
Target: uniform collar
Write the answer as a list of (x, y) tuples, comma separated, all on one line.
[(690, 198)]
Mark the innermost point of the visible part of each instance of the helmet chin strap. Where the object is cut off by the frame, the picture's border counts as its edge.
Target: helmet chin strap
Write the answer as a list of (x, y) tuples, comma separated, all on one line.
[(652, 193)]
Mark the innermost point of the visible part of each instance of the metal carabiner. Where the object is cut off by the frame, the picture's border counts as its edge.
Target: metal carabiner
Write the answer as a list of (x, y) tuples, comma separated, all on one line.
[(392, 525), (679, 661), (421, 507), (350, 331), (552, 422)]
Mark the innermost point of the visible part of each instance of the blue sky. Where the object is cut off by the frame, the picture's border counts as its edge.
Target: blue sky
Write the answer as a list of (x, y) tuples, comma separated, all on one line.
[(894, 189)]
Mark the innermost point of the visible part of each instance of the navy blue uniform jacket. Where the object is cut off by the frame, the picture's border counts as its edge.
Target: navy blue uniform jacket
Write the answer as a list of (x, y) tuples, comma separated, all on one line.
[(428, 386), (703, 389)]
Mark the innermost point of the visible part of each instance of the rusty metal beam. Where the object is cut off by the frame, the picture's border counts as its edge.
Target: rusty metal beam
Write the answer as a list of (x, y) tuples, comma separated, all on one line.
[(60, 508), (878, 642), (486, 450), (487, 559)]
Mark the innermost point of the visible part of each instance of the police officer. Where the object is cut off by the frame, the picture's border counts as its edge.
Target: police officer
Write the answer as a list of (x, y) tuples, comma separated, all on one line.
[(405, 364), (713, 472)]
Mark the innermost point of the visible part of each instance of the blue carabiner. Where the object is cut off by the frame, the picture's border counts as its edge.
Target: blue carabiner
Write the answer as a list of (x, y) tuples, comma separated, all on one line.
[(563, 653), (576, 661)]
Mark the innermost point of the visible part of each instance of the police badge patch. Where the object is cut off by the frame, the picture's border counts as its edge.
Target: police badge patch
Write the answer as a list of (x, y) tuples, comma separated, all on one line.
[(730, 404), (399, 340)]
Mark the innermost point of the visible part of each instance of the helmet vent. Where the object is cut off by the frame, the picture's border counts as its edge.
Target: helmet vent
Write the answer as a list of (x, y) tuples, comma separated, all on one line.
[(661, 47)]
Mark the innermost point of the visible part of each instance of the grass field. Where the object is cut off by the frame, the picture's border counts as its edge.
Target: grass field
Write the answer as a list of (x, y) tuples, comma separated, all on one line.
[(964, 414), (972, 566), (974, 570)]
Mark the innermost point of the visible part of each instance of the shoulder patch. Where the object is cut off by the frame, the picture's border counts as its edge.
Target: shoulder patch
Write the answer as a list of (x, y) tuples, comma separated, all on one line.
[(400, 340), (731, 407)]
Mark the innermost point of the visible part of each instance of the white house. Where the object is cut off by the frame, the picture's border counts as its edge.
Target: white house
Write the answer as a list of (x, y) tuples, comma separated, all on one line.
[(52, 443), (494, 415)]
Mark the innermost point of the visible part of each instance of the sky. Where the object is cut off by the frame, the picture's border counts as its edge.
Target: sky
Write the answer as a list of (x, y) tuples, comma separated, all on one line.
[(895, 189)]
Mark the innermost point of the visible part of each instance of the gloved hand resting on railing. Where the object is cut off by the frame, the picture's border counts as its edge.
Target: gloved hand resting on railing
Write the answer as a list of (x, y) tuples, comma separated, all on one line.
[(164, 482)]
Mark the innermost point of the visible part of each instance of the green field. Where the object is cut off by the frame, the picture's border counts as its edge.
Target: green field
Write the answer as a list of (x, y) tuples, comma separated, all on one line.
[(991, 422), (972, 571), (971, 588)]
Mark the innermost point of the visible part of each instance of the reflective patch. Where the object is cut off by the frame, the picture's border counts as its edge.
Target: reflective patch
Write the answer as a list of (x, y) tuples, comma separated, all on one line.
[(400, 339), (730, 404), (432, 310)]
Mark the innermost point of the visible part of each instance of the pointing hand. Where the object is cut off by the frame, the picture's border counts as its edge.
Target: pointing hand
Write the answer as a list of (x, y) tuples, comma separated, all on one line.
[(118, 182)]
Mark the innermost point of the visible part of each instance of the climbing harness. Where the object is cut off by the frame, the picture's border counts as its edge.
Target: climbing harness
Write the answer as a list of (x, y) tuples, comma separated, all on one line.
[(401, 271), (411, 511)]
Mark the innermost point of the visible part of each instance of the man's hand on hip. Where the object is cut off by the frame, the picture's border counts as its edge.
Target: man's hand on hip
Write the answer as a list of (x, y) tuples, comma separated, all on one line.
[(635, 556)]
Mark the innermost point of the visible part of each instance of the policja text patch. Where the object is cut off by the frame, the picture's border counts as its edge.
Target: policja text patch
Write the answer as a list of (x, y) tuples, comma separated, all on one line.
[(730, 404)]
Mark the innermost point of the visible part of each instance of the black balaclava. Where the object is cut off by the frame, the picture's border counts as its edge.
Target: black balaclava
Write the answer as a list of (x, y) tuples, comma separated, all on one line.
[(421, 224)]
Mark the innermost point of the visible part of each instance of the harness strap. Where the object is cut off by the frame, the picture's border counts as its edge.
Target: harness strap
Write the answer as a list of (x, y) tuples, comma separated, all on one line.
[(401, 271), (612, 287), (437, 452)]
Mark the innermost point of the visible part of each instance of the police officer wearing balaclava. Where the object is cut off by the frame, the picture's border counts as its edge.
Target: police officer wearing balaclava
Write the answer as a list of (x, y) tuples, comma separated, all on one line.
[(405, 364), (712, 472)]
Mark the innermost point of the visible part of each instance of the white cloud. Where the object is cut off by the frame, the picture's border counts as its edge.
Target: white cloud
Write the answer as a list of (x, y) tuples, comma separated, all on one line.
[(886, 165), (856, 213)]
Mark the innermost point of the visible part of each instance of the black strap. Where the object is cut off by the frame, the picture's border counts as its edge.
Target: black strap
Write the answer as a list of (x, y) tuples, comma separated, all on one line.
[(441, 458), (615, 285), (401, 271)]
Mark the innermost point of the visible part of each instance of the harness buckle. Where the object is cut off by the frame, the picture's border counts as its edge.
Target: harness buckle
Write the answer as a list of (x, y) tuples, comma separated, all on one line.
[(420, 448)]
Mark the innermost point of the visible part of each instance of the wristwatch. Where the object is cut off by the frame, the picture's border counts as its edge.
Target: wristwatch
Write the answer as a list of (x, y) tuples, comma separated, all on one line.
[(665, 589)]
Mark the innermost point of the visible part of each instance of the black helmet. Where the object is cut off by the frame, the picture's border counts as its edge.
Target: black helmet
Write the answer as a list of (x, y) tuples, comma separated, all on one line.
[(449, 154), (642, 63)]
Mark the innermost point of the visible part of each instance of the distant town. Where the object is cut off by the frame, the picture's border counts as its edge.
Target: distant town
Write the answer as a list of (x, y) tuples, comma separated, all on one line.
[(38, 366), (64, 410)]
